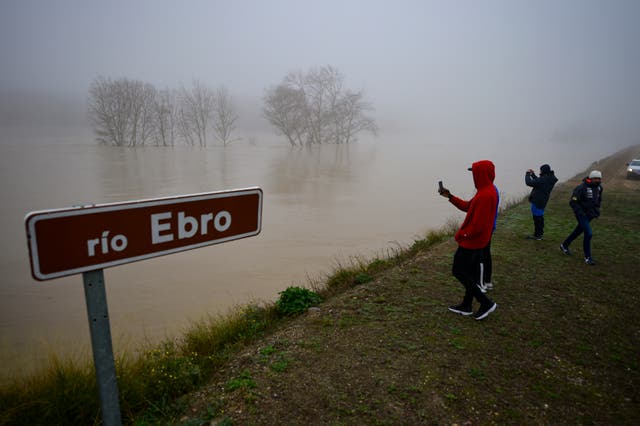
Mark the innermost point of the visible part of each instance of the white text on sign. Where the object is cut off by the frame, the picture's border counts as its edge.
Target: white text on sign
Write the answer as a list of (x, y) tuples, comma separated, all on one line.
[(161, 230), (78, 239)]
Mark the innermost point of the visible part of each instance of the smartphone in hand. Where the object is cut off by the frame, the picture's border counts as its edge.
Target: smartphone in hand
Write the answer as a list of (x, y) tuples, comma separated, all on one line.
[(440, 187)]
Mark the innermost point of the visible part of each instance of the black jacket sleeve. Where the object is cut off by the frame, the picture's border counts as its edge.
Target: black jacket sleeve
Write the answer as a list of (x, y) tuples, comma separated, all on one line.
[(576, 200)]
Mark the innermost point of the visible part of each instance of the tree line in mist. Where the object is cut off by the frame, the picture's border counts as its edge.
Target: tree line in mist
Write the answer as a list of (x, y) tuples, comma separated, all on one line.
[(127, 112), (307, 108)]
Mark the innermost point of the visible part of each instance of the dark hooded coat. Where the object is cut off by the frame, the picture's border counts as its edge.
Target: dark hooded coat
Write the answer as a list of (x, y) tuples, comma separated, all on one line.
[(542, 186), (586, 199)]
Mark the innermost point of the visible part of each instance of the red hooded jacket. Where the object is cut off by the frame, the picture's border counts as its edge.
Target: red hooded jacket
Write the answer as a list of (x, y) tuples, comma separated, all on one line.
[(476, 230)]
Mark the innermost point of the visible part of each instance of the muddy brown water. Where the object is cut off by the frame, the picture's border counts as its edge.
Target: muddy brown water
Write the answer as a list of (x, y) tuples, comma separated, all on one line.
[(322, 207)]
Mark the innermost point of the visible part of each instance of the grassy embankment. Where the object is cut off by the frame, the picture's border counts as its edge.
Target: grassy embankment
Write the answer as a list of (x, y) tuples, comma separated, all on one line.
[(563, 346)]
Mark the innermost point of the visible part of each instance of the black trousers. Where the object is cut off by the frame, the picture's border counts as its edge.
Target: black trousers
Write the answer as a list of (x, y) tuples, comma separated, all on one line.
[(466, 268), (538, 226), (486, 264)]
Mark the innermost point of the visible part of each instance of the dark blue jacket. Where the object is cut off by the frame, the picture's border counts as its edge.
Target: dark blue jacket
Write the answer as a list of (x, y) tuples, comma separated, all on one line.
[(542, 187), (586, 199)]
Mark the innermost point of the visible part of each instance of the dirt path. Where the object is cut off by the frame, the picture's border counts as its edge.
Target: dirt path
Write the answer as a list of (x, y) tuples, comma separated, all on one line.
[(614, 169)]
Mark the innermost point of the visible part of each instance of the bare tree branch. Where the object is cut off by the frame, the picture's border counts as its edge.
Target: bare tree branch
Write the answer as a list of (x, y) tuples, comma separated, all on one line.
[(314, 108), (166, 116), (224, 116), (196, 111), (130, 113), (285, 110), (121, 111)]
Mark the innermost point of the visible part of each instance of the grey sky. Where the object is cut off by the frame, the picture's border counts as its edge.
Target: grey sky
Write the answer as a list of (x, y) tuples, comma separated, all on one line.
[(507, 63)]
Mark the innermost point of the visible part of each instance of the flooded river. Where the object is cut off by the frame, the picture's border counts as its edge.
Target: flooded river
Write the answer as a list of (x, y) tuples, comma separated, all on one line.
[(322, 206)]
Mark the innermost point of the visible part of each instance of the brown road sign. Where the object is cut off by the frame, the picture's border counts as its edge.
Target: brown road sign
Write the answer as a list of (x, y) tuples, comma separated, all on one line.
[(70, 241)]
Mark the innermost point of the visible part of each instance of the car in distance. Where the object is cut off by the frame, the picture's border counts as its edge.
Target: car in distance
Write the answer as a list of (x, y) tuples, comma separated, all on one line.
[(633, 169)]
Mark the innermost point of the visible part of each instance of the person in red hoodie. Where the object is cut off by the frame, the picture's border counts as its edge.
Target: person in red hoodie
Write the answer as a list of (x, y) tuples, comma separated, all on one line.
[(474, 235)]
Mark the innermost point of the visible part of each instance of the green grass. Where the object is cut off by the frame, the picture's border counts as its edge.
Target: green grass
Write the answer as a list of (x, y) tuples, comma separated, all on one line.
[(150, 385), (382, 349), (562, 348)]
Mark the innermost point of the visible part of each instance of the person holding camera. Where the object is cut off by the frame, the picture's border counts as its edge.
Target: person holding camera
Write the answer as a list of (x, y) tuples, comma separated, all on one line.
[(542, 186), (472, 237)]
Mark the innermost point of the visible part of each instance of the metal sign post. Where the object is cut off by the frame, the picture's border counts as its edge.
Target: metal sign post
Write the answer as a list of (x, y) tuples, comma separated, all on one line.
[(98, 313)]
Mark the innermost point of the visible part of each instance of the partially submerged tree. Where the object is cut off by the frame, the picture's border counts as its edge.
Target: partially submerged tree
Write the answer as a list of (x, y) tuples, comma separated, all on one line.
[(196, 110), (350, 119), (224, 116), (142, 97), (165, 118), (130, 113), (285, 110), (314, 108), (122, 111)]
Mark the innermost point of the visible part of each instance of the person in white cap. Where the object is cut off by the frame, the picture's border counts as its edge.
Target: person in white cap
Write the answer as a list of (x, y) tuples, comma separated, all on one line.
[(585, 202)]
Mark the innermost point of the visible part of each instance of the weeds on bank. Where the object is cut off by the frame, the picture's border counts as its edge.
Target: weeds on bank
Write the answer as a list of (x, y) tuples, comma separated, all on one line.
[(561, 349), (152, 383), (295, 300), (361, 271)]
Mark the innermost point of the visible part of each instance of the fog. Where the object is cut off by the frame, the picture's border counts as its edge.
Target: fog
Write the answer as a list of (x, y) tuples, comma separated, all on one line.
[(520, 82), (493, 70)]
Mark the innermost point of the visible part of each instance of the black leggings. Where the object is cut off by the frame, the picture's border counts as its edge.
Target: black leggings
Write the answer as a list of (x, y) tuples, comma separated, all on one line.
[(466, 268)]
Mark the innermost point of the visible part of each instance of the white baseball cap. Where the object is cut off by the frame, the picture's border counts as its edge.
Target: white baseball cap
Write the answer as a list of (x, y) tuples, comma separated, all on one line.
[(595, 174)]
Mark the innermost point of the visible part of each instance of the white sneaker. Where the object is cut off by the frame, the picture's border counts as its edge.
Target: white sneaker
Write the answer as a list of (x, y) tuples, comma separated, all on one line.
[(484, 312), (488, 286)]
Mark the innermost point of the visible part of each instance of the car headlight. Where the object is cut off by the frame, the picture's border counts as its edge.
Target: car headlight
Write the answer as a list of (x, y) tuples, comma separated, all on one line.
[(629, 169)]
